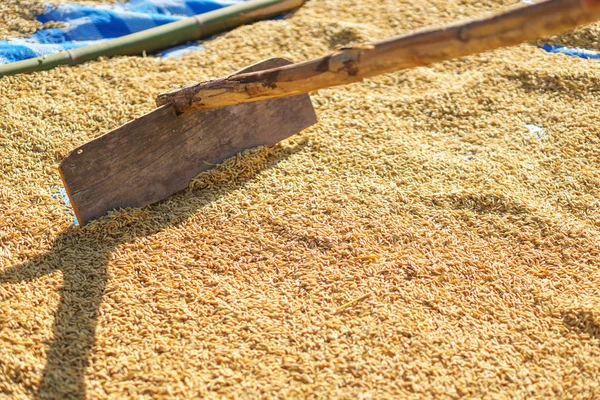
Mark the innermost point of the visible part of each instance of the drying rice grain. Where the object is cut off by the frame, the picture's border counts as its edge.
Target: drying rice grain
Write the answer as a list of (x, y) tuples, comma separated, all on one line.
[(464, 198)]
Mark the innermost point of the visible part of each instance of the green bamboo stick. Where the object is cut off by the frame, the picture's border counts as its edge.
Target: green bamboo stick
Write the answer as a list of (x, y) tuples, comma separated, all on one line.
[(161, 37)]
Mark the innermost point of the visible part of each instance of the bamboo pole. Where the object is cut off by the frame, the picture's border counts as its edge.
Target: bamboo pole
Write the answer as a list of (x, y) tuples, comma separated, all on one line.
[(421, 48), (162, 37)]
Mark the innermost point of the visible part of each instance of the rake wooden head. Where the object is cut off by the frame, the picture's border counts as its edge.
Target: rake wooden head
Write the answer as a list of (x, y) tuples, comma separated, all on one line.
[(197, 126), (158, 154)]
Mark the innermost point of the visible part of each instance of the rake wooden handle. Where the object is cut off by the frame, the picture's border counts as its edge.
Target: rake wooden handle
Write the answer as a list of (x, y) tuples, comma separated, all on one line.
[(421, 48)]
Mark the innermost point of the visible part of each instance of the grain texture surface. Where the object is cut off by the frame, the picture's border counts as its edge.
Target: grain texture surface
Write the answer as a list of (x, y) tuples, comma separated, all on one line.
[(435, 235)]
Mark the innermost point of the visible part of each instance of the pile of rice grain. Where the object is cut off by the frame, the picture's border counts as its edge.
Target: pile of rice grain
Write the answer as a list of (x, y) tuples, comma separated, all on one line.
[(435, 235), (17, 18)]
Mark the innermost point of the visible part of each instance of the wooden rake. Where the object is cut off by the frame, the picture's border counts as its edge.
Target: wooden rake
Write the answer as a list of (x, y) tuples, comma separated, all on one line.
[(198, 126)]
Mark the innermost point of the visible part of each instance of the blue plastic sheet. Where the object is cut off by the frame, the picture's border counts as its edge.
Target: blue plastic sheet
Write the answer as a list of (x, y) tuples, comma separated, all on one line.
[(92, 24), (572, 51), (87, 25)]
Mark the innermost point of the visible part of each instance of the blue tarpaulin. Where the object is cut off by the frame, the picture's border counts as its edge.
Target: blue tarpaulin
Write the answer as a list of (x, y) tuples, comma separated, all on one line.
[(87, 25), (572, 51)]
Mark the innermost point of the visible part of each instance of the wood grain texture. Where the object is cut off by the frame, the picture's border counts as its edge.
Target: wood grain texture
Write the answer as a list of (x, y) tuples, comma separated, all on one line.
[(416, 49), (158, 154)]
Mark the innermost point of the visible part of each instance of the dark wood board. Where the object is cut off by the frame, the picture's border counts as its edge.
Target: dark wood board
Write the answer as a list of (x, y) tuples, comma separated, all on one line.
[(158, 154)]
